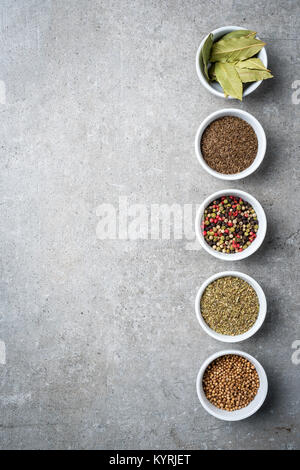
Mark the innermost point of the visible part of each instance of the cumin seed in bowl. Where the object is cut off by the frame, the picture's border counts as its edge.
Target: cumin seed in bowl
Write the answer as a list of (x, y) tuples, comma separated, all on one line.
[(230, 144)]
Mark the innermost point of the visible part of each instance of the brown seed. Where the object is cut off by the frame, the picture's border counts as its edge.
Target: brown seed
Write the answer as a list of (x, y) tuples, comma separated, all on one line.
[(229, 145), (233, 392)]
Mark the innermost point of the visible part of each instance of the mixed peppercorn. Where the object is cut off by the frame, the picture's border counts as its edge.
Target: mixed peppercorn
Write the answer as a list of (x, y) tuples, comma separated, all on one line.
[(229, 224)]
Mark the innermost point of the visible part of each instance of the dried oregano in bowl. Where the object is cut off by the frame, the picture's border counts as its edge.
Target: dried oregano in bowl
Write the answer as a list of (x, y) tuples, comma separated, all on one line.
[(229, 306), (233, 61)]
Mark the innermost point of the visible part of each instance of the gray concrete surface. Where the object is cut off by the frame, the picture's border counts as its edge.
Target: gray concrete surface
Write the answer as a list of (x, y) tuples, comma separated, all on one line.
[(102, 344)]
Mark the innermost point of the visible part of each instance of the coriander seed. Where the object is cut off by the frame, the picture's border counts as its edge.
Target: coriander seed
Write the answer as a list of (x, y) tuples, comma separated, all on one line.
[(230, 382)]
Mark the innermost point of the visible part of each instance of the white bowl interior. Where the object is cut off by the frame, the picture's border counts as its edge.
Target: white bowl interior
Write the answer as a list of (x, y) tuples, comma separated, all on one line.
[(214, 87), (262, 225), (244, 412), (256, 126), (261, 314)]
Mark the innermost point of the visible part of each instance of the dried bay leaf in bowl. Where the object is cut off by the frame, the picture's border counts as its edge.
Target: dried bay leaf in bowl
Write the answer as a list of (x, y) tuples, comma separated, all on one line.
[(253, 63), (238, 49), (235, 49), (240, 33), (212, 73), (251, 75), (229, 79), (206, 50)]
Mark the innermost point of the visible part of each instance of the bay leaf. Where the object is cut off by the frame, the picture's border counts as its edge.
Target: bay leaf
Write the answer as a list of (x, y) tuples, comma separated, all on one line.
[(240, 33), (251, 75), (229, 80), (212, 73), (205, 53), (235, 49), (253, 63)]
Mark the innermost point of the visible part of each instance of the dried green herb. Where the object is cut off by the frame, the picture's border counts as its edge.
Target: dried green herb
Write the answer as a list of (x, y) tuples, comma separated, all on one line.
[(250, 75), (253, 63), (212, 73), (206, 50), (240, 33), (229, 306), (231, 50), (229, 79), (231, 62)]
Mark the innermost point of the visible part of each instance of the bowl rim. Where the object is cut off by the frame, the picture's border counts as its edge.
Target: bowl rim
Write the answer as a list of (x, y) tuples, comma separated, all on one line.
[(261, 313), (260, 234), (256, 126), (248, 410), (251, 87)]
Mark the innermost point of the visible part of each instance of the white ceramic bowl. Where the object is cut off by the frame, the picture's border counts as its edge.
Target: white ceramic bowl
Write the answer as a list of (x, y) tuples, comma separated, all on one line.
[(244, 412), (256, 126), (261, 314), (214, 87), (262, 225)]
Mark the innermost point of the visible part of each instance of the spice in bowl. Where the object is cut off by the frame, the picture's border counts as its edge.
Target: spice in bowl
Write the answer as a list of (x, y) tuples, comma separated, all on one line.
[(229, 145), (232, 61), (229, 224), (230, 382), (229, 306)]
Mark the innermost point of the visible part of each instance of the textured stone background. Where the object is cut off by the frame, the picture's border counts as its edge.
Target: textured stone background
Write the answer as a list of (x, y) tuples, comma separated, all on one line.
[(102, 343)]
